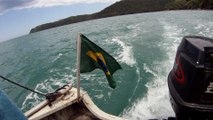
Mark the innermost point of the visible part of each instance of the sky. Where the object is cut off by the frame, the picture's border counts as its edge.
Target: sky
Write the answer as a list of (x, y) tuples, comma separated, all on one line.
[(17, 17)]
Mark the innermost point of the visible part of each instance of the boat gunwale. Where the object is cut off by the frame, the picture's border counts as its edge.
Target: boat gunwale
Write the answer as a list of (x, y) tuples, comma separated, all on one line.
[(62, 103)]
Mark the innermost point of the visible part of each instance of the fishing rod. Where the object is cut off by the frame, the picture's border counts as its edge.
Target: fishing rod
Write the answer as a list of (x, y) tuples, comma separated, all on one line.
[(4, 78), (49, 96)]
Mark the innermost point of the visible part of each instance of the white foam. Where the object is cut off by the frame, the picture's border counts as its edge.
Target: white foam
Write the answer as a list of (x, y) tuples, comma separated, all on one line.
[(173, 35), (125, 55), (57, 57), (135, 30), (88, 76), (204, 29), (156, 103), (137, 82), (31, 100), (147, 70), (109, 93), (99, 96), (46, 87)]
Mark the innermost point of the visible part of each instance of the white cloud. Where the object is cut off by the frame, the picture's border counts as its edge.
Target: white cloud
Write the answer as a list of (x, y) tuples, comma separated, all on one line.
[(6, 5), (49, 3)]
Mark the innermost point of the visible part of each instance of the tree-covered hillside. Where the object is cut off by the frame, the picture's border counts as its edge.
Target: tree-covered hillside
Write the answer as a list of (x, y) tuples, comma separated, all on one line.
[(191, 4), (125, 7)]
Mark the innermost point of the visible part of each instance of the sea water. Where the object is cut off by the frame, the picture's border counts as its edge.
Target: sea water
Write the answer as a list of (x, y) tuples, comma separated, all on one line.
[(144, 44)]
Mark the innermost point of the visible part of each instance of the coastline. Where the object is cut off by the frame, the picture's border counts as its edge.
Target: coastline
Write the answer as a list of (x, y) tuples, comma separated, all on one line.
[(124, 7)]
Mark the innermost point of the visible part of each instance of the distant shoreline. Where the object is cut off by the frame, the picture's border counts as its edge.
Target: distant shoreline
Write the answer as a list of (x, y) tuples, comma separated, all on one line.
[(126, 7)]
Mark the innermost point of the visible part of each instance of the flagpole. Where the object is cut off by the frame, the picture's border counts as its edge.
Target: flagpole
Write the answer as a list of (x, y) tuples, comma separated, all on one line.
[(78, 64)]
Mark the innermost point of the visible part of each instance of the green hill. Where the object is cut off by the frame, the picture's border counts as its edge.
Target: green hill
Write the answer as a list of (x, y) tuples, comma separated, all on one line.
[(125, 7)]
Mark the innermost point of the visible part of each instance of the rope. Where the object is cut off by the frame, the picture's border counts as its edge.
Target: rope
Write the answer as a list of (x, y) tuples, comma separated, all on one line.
[(22, 86)]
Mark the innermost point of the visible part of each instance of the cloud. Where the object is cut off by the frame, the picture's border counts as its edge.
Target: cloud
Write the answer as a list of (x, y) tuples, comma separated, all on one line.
[(11, 4), (6, 5)]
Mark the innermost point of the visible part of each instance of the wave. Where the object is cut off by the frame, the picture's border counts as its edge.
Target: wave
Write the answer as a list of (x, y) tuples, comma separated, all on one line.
[(204, 29), (47, 86), (125, 53), (135, 29), (155, 104), (57, 57), (137, 82)]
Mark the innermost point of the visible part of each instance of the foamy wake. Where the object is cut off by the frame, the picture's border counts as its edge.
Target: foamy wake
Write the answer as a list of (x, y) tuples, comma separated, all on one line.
[(47, 86), (135, 30), (125, 53), (156, 103), (173, 36), (137, 82), (57, 57), (204, 29)]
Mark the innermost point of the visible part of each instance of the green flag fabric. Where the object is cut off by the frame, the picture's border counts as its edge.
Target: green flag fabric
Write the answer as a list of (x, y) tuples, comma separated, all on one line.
[(92, 57)]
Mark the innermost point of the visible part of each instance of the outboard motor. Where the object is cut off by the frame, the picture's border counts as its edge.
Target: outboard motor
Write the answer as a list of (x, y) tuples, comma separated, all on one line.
[(191, 79)]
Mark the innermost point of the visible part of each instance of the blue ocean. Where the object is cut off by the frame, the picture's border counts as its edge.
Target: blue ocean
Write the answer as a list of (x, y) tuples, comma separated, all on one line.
[(144, 44)]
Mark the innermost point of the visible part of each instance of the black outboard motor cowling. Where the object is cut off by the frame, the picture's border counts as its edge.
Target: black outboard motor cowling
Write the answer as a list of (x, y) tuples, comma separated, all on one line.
[(191, 79)]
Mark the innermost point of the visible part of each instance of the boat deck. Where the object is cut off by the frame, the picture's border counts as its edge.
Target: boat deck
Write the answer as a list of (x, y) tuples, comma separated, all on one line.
[(69, 108), (76, 111)]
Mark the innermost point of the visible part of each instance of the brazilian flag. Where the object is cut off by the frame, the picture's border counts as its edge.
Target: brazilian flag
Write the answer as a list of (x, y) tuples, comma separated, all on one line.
[(92, 57)]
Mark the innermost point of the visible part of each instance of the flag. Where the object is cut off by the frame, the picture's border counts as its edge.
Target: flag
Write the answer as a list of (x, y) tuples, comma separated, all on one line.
[(92, 57)]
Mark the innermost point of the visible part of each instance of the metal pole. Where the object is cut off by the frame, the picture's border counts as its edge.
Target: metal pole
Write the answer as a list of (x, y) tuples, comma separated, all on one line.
[(78, 64)]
